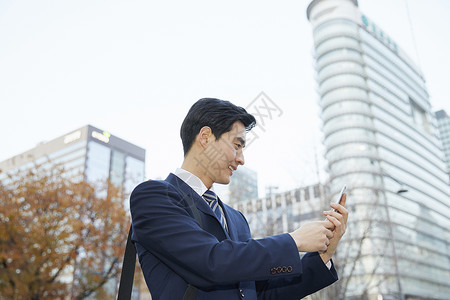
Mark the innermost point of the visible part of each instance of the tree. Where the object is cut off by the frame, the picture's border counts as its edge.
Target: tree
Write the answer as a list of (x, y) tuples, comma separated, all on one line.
[(59, 238)]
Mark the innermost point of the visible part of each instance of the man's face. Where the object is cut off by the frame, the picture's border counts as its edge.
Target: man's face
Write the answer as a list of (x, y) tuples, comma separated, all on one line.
[(226, 153)]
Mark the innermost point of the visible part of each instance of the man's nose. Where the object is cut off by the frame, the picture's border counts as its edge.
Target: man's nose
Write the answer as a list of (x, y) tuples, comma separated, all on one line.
[(240, 158)]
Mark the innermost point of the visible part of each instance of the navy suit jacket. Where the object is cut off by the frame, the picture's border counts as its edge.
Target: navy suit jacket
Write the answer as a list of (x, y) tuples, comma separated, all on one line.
[(175, 250)]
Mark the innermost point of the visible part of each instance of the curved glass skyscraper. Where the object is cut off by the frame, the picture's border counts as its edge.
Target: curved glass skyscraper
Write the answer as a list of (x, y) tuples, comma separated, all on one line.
[(381, 141)]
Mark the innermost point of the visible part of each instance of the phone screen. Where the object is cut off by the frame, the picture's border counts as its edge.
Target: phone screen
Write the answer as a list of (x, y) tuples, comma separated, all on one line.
[(338, 200), (344, 188)]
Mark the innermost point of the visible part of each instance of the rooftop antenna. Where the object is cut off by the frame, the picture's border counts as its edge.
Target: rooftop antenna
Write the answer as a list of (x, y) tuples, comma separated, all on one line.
[(413, 36)]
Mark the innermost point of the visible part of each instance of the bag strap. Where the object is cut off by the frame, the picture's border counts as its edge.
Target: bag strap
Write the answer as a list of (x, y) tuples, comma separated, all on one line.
[(191, 291), (128, 267), (193, 208), (129, 262)]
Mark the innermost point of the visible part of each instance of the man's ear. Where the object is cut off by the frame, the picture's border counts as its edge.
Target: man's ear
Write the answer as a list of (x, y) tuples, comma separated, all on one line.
[(204, 136)]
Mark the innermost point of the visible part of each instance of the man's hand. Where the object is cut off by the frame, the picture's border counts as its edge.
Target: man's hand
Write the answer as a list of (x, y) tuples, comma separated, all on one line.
[(313, 236), (339, 220)]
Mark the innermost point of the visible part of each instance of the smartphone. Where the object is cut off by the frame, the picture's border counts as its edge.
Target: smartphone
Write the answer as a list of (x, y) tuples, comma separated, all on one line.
[(344, 188)]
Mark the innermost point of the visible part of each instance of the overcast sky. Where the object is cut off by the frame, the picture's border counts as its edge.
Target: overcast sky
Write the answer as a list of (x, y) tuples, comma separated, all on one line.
[(134, 68)]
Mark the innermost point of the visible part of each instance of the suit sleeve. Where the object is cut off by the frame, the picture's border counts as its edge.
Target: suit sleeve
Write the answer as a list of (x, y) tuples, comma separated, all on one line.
[(163, 225), (315, 276)]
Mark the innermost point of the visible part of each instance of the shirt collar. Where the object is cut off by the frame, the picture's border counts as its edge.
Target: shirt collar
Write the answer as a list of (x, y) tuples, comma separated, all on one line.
[(193, 181)]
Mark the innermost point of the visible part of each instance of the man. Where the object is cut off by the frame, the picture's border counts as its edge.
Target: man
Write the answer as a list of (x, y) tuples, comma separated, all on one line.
[(192, 245)]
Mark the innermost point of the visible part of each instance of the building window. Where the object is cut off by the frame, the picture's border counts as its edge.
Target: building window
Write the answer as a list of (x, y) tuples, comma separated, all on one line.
[(278, 200), (97, 163), (297, 195), (258, 205), (117, 168), (316, 191), (249, 207), (307, 194), (288, 198), (419, 116)]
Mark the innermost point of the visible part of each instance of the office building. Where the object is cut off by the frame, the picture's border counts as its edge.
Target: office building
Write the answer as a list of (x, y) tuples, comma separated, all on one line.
[(381, 140), (443, 123)]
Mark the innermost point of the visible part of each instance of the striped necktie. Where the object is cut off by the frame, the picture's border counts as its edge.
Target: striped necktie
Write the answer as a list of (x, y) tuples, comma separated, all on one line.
[(211, 198)]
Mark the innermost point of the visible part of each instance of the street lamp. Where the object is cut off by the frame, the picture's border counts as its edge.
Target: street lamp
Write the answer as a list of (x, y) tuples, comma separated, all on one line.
[(402, 188)]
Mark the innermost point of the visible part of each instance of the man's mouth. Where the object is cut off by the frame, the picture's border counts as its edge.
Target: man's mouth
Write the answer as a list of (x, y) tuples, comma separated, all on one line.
[(231, 169)]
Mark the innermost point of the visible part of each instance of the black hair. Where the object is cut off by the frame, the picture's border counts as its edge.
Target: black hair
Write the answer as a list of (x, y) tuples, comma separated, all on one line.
[(219, 115)]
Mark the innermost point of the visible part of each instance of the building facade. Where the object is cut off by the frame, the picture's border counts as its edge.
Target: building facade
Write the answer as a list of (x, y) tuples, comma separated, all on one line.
[(381, 140), (443, 123), (277, 213)]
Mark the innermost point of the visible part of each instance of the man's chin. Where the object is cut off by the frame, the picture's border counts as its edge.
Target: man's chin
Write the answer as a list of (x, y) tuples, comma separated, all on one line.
[(224, 181)]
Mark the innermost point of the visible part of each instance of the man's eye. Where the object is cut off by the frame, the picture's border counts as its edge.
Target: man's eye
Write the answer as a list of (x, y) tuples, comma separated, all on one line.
[(238, 146)]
